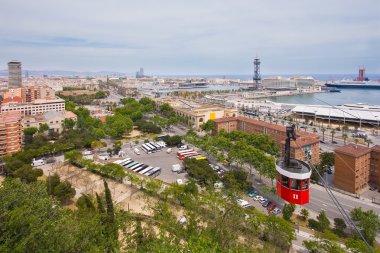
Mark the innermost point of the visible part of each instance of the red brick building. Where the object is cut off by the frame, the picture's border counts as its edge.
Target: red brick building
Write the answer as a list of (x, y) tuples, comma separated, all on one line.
[(306, 146), (356, 166)]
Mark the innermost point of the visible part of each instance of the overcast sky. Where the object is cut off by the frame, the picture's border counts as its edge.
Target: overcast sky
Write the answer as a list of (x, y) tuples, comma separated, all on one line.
[(192, 36)]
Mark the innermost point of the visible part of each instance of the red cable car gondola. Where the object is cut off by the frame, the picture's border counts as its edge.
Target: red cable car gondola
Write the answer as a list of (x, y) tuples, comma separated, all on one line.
[(293, 176)]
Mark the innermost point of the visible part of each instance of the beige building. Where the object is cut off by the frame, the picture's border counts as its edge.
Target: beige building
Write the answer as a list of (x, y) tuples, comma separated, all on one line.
[(28, 94), (196, 114), (38, 106), (53, 119)]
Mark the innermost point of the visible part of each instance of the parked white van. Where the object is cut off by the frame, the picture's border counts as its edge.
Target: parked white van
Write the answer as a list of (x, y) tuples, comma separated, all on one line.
[(104, 157), (39, 162), (137, 151)]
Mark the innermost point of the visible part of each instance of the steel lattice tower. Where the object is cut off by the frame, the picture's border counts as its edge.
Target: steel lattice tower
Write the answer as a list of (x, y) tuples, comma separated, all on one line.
[(257, 76)]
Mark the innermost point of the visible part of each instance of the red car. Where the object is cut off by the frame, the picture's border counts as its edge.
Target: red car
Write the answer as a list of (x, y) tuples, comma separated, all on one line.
[(271, 207)]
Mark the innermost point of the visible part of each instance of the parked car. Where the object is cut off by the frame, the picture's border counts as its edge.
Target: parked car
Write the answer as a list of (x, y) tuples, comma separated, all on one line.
[(271, 207), (137, 151), (276, 211), (258, 198), (267, 203), (263, 200)]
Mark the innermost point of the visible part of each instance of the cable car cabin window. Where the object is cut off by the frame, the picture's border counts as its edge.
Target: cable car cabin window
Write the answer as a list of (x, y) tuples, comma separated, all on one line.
[(305, 184), (285, 181), (295, 184)]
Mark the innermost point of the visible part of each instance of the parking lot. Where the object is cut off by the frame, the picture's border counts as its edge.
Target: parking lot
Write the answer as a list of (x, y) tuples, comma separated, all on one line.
[(159, 159)]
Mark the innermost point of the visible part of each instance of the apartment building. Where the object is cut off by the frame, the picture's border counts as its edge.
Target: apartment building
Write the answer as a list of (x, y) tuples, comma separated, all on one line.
[(306, 147), (375, 166), (38, 106), (10, 133), (352, 167), (28, 94), (195, 114)]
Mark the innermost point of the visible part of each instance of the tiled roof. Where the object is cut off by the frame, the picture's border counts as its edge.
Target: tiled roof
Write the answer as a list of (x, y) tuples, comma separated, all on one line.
[(10, 117), (353, 150), (376, 148)]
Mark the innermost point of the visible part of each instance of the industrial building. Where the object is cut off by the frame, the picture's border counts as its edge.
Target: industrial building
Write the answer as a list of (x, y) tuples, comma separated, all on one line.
[(348, 113), (356, 166), (305, 148), (10, 133), (14, 74)]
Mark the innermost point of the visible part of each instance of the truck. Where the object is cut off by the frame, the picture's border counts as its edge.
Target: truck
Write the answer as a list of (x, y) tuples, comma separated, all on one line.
[(38, 162), (176, 168)]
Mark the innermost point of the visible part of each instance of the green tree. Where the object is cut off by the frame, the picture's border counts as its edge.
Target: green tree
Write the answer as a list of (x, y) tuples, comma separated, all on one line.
[(367, 221), (323, 221), (68, 124), (368, 141), (73, 156), (28, 134), (287, 211), (43, 128), (109, 204), (323, 130), (344, 136), (305, 213), (27, 174), (64, 191), (209, 126), (339, 226)]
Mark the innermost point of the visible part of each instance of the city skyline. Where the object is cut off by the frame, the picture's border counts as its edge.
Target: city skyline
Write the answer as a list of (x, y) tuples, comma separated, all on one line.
[(201, 37)]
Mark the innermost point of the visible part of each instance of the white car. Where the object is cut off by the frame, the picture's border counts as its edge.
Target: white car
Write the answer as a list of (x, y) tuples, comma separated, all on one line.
[(257, 198), (276, 211), (242, 202), (263, 200)]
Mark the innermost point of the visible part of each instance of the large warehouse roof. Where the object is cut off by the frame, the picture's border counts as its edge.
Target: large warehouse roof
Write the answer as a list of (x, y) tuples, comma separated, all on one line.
[(346, 112)]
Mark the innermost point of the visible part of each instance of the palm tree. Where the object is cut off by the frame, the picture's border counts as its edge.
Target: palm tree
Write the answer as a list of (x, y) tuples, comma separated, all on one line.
[(305, 128), (356, 141), (345, 136), (344, 128), (297, 125), (323, 133), (332, 135), (315, 130), (369, 141)]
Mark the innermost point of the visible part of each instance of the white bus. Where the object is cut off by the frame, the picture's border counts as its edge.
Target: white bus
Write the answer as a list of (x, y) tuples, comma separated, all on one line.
[(154, 173), (179, 153), (140, 168), (135, 166), (146, 149), (147, 169), (153, 148), (158, 147), (129, 165), (122, 162)]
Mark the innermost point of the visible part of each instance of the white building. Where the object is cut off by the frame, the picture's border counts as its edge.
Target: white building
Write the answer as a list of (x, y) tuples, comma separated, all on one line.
[(278, 83), (36, 107)]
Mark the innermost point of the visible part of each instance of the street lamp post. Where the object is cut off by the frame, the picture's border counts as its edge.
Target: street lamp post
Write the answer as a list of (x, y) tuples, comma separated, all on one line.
[(315, 118)]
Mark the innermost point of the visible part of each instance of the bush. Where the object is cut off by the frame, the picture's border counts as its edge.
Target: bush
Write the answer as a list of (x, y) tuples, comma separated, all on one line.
[(148, 127), (313, 224), (172, 140)]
